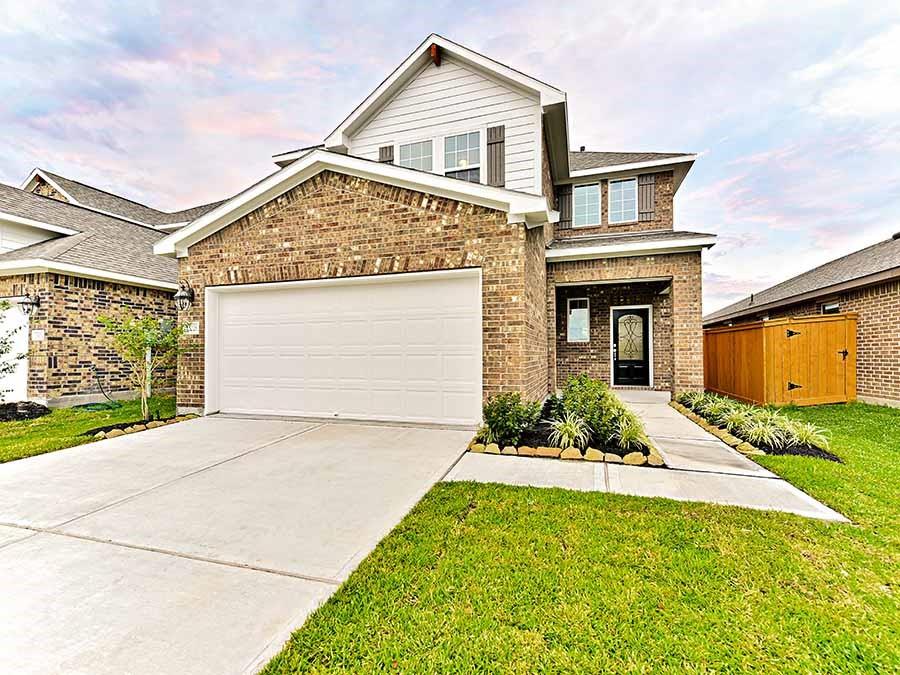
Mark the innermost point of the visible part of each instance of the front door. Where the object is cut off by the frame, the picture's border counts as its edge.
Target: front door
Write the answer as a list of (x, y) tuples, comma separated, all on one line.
[(631, 338)]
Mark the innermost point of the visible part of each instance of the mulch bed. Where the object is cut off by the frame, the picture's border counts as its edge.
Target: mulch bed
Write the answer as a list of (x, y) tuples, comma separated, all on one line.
[(22, 410), (808, 451)]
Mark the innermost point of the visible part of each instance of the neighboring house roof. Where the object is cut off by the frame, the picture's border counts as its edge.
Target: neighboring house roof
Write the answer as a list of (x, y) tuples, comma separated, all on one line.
[(582, 160), (875, 263), (619, 245), (100, 246), (106, 202), (520, 206)]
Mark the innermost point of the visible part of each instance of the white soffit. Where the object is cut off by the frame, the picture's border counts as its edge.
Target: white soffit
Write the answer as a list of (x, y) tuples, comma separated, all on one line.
[(630, 249)]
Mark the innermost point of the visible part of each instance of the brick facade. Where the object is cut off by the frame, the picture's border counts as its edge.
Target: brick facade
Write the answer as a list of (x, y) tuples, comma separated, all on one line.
[(334, 225), (594, 357), (877, 336), (663, 211), (677, 327), (62, 365)]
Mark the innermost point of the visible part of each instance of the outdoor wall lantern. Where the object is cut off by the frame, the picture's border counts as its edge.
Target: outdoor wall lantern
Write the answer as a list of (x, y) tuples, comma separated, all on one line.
[(29, 304), (184, 296)]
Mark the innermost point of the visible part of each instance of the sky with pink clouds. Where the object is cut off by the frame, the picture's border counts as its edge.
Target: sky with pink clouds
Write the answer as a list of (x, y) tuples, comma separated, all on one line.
[(794, 107)]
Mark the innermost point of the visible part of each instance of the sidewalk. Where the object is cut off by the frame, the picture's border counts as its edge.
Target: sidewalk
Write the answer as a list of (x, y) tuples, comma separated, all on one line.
[(701, 468)]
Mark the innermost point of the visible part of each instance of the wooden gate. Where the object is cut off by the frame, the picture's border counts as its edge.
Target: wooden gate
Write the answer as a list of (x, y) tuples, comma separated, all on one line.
[(798, 360)]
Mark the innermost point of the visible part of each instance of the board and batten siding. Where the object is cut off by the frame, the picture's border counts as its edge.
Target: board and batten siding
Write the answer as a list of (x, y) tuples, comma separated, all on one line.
[(456, 98)]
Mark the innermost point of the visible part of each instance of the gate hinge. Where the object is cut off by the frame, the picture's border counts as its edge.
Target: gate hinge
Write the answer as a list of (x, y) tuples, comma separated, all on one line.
[(794, 385), (792, 333), (844, 353)]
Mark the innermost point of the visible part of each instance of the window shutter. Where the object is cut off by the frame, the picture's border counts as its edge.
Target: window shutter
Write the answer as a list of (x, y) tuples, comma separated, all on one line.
[(564, 195), (386, 154), (496, 156), (646, 196)]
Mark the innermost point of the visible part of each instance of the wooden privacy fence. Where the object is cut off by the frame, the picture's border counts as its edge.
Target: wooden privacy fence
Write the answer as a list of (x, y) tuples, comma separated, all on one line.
[(804, 361)]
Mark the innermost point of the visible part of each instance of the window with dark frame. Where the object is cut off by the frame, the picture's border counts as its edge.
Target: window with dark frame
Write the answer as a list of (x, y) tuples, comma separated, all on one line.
[(831, 308)]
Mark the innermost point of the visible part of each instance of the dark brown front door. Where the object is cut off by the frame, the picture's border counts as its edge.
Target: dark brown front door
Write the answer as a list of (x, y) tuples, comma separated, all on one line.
[(631, 346)]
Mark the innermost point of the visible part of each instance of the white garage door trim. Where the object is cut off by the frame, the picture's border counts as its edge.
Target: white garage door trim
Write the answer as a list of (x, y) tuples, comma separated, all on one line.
[(213, 346), (15, 385)]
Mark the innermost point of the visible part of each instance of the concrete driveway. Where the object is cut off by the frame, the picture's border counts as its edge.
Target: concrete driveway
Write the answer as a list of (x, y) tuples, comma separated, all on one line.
[(197, 547)]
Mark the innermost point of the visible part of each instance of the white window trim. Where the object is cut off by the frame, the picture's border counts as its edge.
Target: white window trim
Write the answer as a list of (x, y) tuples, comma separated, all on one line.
[(423, 140), (482, 152), (599, 222), (587, 301), (612, 365), (609, 183)]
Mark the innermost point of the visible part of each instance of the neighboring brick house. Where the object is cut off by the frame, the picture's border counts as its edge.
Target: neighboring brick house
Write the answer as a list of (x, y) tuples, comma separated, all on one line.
[(70, 253), (442, 244), (866, 282)]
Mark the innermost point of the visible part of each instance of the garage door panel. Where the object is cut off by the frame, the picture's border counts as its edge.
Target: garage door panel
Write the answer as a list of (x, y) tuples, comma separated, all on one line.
[(387, 349)]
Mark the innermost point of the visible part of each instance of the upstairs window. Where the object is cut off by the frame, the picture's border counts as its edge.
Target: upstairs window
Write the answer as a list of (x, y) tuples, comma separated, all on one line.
[(623, 201), (578, 326), (416, 155), (585, 205), (462, 156)]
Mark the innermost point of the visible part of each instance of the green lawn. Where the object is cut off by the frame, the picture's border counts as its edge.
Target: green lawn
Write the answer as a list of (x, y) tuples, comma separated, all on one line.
[(62, 428), (482, 578)]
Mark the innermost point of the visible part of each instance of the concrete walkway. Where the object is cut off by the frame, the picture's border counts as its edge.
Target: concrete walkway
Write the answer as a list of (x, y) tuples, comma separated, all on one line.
[(701, 468)]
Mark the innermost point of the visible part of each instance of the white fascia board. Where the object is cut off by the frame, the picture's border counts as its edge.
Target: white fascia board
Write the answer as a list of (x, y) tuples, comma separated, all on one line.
[(521, 207), (19, 220), (339, 138), (41, 265), (624, 250), (38, 173), (601, 170)]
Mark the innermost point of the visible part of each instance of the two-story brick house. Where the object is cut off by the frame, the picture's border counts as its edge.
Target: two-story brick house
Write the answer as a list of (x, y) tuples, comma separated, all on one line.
[(441, 245)]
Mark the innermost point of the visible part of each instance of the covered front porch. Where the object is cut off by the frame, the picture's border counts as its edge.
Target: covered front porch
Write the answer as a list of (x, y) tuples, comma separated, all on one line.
[(619, 331)]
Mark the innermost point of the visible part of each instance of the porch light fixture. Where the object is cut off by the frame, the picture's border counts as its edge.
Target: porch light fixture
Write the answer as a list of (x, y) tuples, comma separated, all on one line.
[(29, 304), (184, 296)]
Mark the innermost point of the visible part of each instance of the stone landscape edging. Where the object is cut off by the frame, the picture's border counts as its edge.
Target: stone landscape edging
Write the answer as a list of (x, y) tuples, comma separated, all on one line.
[(723, 435), (153, 424), (653, 459)]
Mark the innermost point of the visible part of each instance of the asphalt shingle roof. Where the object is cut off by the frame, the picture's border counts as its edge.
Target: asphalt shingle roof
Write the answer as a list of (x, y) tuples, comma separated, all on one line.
[(880, 257), (581, 160), (106, 201), (615, 239), (102, 242)]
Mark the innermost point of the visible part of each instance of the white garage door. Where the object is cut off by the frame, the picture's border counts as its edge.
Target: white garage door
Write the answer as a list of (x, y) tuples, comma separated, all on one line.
[(401, 348)]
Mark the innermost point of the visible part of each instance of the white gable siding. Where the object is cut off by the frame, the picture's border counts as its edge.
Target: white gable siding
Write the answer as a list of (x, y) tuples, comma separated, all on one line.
[(14, 235), (456, 98)]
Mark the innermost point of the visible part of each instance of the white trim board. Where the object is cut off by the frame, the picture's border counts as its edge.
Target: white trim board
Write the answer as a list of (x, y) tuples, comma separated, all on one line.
[(521, 207), (624, 250), (19, 220), (40, 265), (612, 369)]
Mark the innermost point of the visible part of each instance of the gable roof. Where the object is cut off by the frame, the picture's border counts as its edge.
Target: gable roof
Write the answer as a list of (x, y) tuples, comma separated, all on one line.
[(582, 160), (337, 139), (94, 245), (521, 207), (81, 194), (874, 263)]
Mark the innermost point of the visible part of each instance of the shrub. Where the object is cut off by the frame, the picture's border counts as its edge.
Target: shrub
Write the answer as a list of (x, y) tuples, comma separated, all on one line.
[(570, 431), (506, 417), (763, 434), (804, 434), (628, 432), (592, 401)]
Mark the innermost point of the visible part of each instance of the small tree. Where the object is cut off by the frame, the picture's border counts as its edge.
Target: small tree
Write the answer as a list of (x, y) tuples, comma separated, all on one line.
[(147, 345), (8, 362)]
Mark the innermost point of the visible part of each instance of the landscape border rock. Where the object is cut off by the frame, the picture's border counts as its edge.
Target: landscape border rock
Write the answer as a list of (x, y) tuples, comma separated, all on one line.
[(653, 459), (742, 447), (123, 428)]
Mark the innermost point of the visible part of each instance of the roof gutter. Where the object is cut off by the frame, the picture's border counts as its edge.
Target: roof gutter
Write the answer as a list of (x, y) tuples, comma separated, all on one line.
[(878, 277), (28, 222), (521, 207), (687, 245), (42, 265)]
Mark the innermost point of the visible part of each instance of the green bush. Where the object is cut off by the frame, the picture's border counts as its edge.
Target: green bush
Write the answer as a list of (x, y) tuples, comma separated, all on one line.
[(506, 417), (762, 427), (570, 431), (592, 401)]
